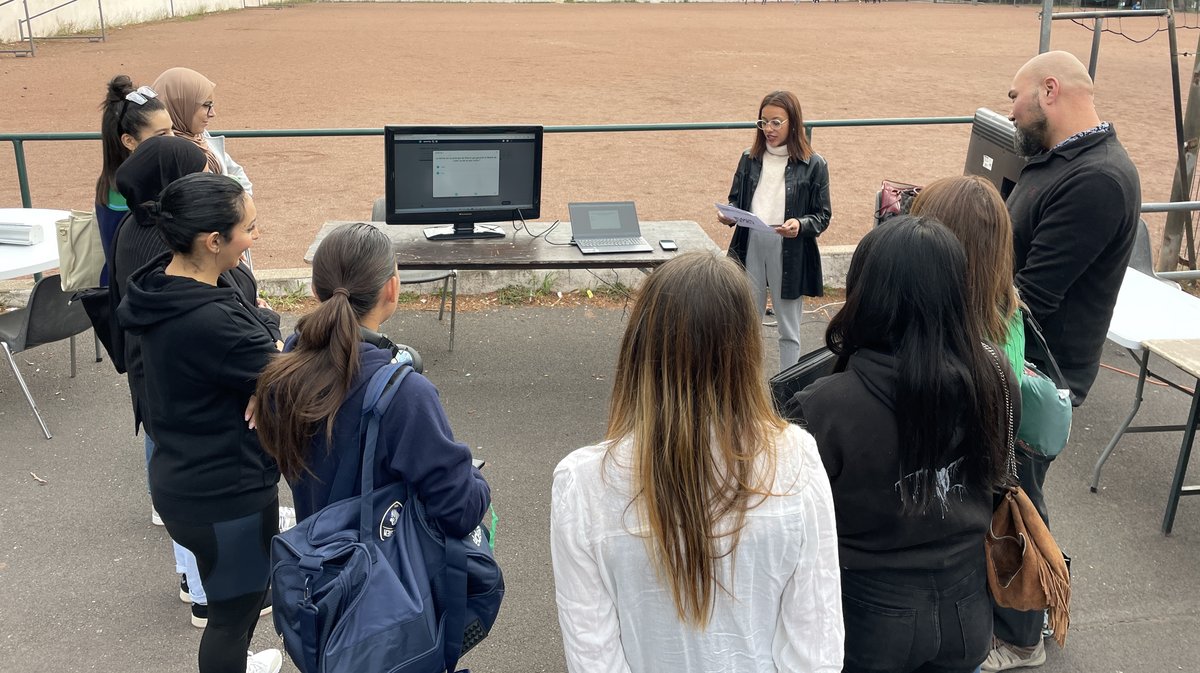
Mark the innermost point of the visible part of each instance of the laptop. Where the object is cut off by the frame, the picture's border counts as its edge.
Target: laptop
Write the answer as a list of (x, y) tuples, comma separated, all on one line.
[(606, 227)]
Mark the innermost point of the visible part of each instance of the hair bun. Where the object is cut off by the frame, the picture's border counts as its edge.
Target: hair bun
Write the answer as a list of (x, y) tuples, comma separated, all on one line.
[(119, 87)]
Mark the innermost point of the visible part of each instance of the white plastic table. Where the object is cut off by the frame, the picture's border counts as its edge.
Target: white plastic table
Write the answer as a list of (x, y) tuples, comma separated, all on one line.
[(23, 260), (1147, 310)]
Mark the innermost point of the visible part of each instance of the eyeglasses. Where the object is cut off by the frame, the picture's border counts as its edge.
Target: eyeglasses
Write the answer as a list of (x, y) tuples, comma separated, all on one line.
[(208, 105), (140, 96), (773, 123)]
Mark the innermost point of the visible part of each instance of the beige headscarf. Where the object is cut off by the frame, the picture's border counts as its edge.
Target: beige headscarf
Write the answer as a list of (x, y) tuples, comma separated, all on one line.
[(182, 90)]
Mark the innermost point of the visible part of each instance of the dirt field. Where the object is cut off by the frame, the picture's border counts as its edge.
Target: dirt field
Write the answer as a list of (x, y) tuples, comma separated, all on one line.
[(364, 65)]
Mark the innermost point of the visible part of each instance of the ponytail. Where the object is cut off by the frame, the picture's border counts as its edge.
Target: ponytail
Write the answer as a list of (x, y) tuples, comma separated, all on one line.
[(301, 392), (113, 124)]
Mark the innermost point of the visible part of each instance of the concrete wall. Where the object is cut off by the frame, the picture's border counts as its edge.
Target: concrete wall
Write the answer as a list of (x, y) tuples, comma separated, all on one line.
[(83, 16)]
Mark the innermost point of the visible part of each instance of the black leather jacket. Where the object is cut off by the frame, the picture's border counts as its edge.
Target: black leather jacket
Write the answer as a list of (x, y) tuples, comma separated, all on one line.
[(807, 200)]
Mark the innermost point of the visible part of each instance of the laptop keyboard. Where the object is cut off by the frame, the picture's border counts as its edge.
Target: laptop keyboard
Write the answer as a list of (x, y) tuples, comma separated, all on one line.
[(614, 242)]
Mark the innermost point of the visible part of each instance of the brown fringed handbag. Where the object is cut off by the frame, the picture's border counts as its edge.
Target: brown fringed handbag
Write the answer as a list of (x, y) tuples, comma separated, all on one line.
[(1026, 569)]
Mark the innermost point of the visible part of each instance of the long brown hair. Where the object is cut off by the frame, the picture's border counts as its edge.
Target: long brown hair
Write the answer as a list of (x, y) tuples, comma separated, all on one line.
[(690, 394), (302, 390), (973, 209), (797, 140)]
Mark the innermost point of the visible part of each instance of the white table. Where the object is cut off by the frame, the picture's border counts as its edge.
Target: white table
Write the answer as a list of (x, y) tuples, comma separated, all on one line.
[(1147, 310), (23, 260)]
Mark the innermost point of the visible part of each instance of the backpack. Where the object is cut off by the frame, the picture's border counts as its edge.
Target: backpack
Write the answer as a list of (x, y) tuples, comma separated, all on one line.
[(368, 584)]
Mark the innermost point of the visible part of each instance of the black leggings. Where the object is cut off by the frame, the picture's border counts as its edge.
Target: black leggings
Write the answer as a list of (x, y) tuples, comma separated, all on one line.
[(235, 563)]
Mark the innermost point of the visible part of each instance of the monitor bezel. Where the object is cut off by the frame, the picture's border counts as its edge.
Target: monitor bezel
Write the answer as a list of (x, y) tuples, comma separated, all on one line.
[(458, 217)]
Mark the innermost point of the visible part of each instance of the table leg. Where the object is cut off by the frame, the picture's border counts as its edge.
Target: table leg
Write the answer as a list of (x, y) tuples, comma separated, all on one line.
[(1185, 453), (1137, 404)]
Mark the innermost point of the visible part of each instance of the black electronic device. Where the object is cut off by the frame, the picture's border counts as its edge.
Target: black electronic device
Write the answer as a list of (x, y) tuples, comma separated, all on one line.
[(460, 176), (668, 245), (992, 152)]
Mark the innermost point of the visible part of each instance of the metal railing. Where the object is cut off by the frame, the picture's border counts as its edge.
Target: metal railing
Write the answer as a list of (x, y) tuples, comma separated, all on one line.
[(18, 140)]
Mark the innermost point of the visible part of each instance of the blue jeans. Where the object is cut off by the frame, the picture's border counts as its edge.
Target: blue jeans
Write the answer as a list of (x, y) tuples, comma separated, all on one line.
[(185, 561)]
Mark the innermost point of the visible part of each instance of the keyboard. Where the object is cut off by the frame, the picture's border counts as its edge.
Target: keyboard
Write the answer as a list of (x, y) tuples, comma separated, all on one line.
[(614, 242)]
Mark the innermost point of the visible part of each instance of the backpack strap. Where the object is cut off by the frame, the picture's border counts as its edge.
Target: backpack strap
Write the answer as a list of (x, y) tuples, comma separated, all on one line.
[(380, 391)]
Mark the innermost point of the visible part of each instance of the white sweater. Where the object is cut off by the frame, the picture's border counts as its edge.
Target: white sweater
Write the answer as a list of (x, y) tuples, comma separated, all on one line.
[(770, 195)]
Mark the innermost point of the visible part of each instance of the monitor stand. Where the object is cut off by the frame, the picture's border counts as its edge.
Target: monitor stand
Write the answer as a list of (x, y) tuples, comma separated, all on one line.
[(460, 231)]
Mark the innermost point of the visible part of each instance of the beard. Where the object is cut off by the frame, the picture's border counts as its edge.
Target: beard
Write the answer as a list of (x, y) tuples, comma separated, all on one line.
[(1030, 139)]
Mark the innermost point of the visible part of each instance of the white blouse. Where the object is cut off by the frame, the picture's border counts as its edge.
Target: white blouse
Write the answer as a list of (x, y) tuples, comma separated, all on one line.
[(783, 611)]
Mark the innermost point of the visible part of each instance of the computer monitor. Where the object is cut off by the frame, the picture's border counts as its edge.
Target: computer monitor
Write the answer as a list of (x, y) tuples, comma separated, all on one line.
[(992, 153), (461, 176)]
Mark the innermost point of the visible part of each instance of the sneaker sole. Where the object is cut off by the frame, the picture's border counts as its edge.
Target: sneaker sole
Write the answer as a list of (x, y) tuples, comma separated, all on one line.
[(265, 611), (185, 597)]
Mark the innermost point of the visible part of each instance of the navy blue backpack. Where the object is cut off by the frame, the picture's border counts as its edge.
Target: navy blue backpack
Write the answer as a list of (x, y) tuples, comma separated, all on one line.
[(369, 585)]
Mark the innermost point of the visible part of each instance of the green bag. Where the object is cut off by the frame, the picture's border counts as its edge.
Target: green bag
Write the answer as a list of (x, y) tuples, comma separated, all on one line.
[(1045, 402)]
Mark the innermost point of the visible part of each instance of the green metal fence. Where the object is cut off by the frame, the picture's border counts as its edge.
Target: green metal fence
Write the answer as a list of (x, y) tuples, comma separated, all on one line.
[(18, 140)]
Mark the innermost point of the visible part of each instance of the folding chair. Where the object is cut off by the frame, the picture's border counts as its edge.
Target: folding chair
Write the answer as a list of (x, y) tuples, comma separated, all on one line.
[(49, 316)]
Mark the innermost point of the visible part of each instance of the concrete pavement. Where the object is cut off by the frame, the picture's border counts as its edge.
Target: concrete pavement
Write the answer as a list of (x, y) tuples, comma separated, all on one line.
[(87, 584)]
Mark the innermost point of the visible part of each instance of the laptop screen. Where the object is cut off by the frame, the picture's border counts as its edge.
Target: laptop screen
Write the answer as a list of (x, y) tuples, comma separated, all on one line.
[(603, 219)]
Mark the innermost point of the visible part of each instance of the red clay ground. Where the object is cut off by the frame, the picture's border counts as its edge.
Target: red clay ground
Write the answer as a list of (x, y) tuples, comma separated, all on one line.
[(364, 65)]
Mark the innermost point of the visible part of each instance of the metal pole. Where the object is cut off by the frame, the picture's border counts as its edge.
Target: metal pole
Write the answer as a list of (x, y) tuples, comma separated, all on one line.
[(1168, 257), (1047, 17), (1097, 30), (29, 26), (100, 7), (22, 173)]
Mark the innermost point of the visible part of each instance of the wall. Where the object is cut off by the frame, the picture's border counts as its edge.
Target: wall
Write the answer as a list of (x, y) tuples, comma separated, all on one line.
[(83, 16)]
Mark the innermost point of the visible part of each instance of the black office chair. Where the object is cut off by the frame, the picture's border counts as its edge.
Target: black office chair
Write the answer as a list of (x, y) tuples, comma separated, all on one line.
[(49, 316), (449, 278)]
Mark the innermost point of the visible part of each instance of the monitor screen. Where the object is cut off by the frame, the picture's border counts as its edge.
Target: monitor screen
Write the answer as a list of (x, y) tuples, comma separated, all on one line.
[(992, 153), (462, 175)]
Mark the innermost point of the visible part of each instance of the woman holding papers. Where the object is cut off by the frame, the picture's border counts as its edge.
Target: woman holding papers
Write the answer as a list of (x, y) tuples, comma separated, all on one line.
[(783, 182)]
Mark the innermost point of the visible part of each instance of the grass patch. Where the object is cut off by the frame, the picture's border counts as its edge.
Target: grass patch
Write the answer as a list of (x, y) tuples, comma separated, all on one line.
[(296, 300), (616, 291), (527, 292), (408, 297)]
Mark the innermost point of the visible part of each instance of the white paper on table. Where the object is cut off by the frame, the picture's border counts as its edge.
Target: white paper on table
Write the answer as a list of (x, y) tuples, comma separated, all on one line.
[(745, 218)]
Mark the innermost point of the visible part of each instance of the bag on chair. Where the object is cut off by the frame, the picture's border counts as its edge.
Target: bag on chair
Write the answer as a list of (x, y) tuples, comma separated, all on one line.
[(1026, 569), (369, 585), (895, 198), (80, 254)]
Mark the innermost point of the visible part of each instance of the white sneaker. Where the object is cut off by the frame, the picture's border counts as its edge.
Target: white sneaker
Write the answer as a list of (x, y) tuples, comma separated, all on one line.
[(1004, 656), (155, 518), (287, 518), (267, 661)]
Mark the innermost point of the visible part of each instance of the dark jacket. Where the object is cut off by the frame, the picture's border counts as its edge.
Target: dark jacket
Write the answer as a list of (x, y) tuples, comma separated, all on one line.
[(852, 416), (807, 194), (136, 243), (203, 348), (1075, 213), (415, 446)]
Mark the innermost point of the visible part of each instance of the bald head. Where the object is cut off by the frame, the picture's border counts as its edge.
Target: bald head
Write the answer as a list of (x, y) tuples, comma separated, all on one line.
[(1052, 100), (1062, 66)]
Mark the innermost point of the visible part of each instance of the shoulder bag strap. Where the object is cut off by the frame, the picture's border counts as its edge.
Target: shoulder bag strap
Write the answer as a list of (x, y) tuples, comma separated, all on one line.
[(380, 391), (1032, 327), (1010, 438)]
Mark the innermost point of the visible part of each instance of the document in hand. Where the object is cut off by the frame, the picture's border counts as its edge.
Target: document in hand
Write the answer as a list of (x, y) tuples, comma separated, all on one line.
[(744, 218)]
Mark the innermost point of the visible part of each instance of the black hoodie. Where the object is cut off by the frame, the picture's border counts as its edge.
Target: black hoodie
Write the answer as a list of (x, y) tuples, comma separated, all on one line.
[(852, 415), (203, 348)]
